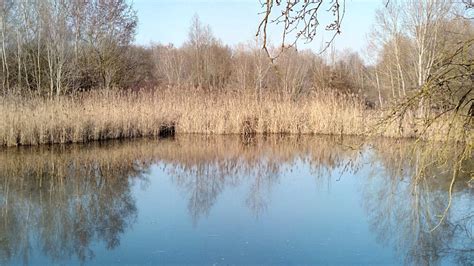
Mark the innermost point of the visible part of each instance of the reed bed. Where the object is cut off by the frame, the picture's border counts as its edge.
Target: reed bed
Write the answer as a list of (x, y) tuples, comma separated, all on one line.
[(114, 115)]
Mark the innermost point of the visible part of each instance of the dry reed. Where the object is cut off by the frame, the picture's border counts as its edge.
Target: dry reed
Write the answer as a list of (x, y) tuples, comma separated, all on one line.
[(114, 115)]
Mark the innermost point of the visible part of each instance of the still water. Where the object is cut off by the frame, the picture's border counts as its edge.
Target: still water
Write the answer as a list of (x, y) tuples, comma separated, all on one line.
[(228, 200)]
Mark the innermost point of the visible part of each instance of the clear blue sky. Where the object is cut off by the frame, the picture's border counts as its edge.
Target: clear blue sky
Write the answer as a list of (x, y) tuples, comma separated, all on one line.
[(236, 21)]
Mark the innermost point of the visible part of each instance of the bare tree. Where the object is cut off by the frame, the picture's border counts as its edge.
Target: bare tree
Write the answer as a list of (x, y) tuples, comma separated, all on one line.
[(208, 59), (169, 62), (6, 7), (53, 46), (388, 34), (110, 29)]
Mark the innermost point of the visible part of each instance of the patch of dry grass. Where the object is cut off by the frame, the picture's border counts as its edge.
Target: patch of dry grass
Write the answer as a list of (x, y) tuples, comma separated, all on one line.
[(113, 115)]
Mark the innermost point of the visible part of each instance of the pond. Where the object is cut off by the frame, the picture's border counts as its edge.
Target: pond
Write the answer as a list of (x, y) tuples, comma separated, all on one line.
[(231, 200)]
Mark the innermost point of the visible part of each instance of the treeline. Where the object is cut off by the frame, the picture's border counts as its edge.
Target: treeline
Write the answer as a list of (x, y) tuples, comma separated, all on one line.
[(203, 62), (56, 47), (423, 46)]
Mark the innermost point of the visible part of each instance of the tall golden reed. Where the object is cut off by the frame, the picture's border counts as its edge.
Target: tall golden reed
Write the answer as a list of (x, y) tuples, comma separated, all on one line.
[(112, 115)]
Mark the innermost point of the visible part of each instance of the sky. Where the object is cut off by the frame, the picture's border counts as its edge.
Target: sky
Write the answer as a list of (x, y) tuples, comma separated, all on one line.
[(236, 21)]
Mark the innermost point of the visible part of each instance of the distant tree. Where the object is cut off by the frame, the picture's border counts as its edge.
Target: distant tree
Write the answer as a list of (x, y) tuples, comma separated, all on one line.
[(208, 60), (110, 28), (169, 65)]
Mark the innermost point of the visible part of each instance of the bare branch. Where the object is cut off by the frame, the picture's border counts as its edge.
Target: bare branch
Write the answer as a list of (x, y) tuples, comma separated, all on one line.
[(300, 18)]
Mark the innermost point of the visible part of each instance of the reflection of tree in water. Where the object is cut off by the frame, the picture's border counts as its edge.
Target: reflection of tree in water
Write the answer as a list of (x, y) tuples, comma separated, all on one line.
[(68, 198), (402, 204), (204, 182), (203, 178), (207, 165), (64, 201), (405, 196)]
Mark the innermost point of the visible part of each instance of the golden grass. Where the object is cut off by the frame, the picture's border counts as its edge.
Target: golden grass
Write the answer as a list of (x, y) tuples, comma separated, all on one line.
[(113, 115)]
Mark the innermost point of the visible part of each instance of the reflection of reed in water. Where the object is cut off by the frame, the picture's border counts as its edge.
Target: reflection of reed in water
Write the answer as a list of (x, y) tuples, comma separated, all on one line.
[(71, 196)]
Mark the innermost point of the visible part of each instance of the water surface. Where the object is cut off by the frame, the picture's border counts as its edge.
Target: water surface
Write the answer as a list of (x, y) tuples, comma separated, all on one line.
[(228, 200)]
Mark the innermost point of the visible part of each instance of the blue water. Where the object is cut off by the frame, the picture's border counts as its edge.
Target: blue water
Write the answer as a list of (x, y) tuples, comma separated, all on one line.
[(301, 212)]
